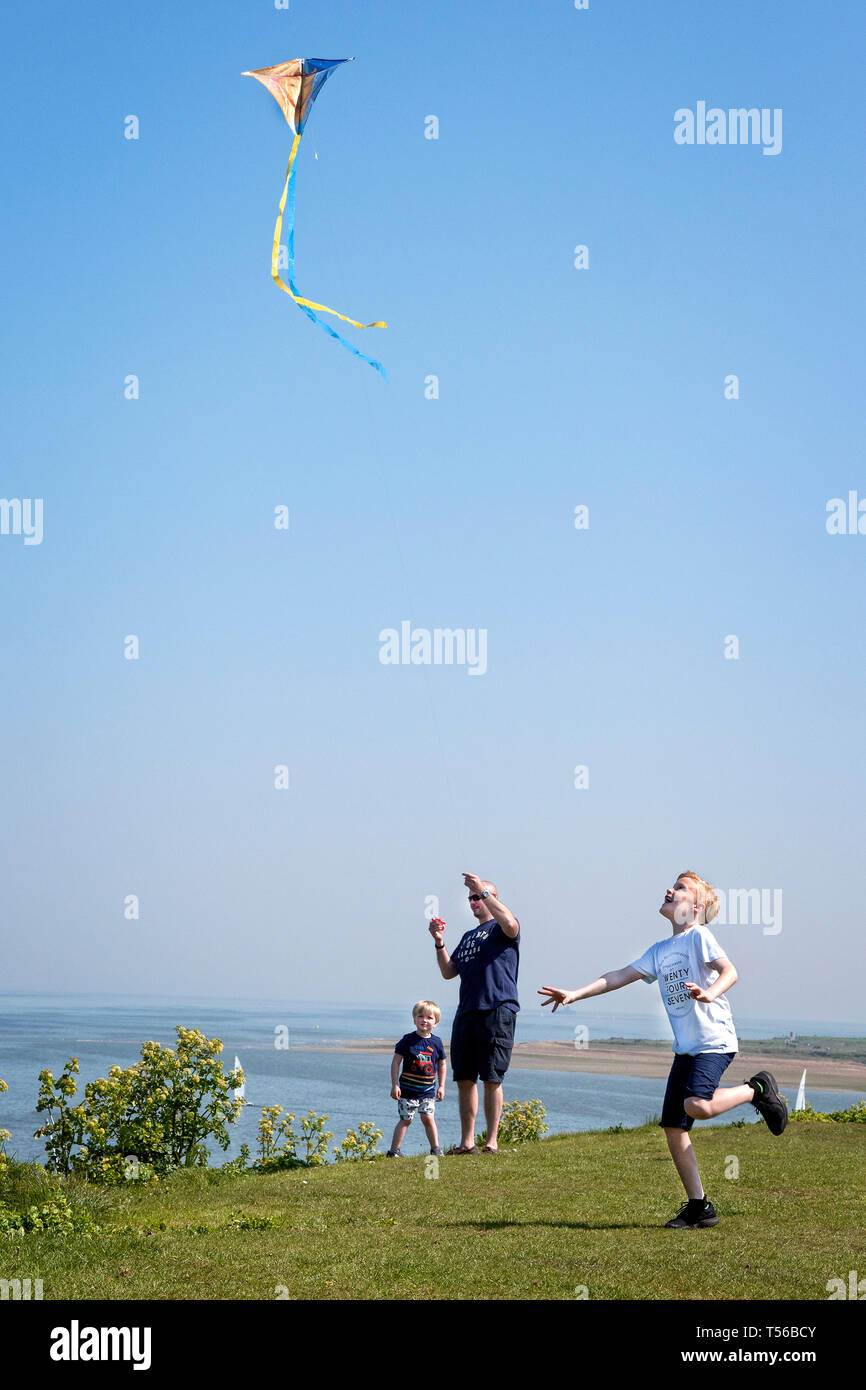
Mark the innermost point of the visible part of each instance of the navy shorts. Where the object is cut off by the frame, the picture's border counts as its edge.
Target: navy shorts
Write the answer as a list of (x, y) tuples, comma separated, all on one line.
[(697, 1075), (481, 1043)]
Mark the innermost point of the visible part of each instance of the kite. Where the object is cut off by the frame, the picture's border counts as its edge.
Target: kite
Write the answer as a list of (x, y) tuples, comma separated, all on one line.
[(295, 86)]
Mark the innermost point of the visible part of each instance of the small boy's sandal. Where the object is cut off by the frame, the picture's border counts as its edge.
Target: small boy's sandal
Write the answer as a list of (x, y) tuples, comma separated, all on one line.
[(487, 1150), (455, 1149), (769, 1104)]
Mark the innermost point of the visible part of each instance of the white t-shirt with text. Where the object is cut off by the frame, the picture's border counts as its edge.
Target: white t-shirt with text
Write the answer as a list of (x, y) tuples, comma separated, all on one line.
[(681, 958)]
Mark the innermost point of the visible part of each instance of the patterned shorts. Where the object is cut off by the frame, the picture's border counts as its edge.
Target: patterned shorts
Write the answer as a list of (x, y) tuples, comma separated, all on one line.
[(424, 1105)]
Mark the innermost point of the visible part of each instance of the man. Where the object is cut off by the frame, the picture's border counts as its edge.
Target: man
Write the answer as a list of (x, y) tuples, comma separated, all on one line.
[(486, 959)]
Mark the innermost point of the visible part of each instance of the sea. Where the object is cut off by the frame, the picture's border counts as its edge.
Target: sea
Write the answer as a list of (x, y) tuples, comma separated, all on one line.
[(290, 1053)]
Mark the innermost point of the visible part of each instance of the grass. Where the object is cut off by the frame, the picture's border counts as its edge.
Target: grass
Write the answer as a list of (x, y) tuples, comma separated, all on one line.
[(538, 1222)]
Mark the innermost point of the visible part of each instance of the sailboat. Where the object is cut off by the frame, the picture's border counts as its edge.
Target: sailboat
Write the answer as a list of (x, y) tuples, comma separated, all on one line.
[(240, 1093), (800, 1102)]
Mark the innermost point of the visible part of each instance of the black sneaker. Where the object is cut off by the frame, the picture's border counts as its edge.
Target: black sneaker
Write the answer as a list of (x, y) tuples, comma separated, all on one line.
[(769, 1104), (393, 1153), (437, 1152), (697, 1211)]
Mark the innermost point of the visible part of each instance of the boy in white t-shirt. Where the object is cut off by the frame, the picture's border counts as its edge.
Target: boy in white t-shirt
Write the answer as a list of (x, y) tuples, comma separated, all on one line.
[(693, 974)]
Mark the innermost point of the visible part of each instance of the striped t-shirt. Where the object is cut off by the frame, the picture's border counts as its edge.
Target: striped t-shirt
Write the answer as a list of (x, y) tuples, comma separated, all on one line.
[(421, 1058)]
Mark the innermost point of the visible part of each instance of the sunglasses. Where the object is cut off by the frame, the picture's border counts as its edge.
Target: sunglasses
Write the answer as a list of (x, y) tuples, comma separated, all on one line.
[(475, 897)]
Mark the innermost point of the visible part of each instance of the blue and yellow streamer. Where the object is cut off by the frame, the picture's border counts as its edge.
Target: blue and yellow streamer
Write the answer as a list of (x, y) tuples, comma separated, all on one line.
[(295, 85)]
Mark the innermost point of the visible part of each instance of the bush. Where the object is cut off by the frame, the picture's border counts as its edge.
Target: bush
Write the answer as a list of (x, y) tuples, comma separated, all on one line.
[(522, 1122), (239, 1164), (280, 1147), (143, 1120), (4, 1135), (32, 1200), (359, 1144), (24, 1184), (55, 1216), (304, 1150), (854, 1115)]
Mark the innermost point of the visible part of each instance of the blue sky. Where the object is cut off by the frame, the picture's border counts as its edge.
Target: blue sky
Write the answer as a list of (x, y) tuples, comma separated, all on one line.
[(558, 387)]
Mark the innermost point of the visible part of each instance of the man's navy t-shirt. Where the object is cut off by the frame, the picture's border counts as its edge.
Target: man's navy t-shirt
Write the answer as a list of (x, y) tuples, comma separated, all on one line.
[(421, 1058), (487, 960)]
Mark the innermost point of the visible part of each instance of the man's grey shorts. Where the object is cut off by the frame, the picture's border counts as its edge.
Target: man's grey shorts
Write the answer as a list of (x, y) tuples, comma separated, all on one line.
[(424, 1105)]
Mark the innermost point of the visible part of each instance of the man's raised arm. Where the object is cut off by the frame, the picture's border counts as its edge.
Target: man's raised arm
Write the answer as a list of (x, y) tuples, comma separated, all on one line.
[(498, 911), (437, 931)]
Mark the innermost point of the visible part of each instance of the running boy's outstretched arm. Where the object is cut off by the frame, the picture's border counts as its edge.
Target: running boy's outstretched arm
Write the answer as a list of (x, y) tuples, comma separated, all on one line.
[(614, 979)]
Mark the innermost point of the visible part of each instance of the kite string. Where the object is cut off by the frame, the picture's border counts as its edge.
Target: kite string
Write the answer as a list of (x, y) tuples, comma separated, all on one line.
[(373, 434), (386, 492)]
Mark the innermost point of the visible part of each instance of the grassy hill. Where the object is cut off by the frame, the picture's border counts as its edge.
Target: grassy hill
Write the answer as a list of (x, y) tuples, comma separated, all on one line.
[(537, 1222)]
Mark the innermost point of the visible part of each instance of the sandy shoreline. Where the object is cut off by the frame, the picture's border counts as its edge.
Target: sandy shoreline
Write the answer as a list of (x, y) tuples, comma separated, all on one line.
[(654, 1059)]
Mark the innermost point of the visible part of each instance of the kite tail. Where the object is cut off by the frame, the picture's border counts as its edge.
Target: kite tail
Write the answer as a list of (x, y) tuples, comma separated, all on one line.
[(309, 305)]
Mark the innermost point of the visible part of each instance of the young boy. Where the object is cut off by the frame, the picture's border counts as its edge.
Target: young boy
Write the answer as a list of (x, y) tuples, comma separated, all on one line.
[(418, 1076), (693, 974)]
